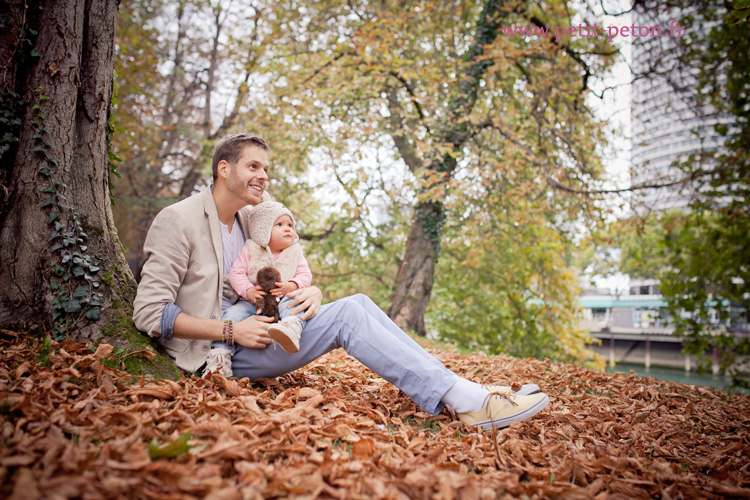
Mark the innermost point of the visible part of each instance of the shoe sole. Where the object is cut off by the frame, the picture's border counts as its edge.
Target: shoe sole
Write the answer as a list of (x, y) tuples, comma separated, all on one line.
[(518, 417), (285, 342)]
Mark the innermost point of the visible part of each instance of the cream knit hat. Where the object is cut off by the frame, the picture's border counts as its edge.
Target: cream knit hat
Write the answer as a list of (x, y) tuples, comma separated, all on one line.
[(262, 218)]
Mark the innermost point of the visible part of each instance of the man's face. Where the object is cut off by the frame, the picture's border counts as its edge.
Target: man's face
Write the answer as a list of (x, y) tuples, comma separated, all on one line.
[(247, 178)]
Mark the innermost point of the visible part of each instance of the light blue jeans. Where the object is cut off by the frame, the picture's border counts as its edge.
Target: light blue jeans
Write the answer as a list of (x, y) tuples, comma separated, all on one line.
[(243, 310), (366, 333)]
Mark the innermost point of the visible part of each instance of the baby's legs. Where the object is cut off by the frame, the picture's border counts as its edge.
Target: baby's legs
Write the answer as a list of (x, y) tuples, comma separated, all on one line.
[(285, 312)]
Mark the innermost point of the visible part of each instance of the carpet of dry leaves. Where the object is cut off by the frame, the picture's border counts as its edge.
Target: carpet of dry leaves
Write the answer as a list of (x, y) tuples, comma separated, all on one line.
[(75, 428)]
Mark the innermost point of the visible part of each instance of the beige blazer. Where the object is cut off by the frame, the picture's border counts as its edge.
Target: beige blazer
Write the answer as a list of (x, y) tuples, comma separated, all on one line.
[(184, 265)]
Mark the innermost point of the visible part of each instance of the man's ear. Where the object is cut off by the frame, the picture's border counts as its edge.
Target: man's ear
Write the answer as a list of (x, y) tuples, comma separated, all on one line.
[(222, 169)]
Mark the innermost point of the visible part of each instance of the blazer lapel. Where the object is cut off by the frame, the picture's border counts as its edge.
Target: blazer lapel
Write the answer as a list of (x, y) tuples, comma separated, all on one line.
[(209, 207)]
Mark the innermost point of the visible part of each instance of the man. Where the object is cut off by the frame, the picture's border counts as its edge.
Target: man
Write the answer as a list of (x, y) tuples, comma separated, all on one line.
[(192, 244)]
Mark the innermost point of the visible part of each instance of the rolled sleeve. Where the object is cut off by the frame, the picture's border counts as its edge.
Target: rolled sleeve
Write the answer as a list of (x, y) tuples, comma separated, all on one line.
[(167, 254), (168, 317)]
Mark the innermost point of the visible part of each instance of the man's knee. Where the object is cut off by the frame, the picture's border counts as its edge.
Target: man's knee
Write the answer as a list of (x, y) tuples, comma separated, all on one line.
[(354, 313), (360, 299)]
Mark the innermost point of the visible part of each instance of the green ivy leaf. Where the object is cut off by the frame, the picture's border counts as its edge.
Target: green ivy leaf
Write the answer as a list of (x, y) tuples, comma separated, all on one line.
[(93, 314), (52, 216), (73, 306)]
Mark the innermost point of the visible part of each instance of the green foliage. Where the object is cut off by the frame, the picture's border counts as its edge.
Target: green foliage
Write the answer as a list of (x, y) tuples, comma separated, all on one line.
[(454, 105), (169, 450), (701, 261), (709, 266), (11, 113), (44, 351), (503, 285), (708, 274)]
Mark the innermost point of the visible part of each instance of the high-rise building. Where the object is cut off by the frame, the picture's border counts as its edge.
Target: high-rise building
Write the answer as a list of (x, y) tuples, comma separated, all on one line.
[(667, 126)]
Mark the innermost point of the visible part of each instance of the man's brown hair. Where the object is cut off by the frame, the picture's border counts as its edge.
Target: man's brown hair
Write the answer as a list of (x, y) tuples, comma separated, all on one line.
[(231, 148)]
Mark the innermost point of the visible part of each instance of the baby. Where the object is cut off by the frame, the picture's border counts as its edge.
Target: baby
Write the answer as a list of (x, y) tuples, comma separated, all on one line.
[(272, 242)]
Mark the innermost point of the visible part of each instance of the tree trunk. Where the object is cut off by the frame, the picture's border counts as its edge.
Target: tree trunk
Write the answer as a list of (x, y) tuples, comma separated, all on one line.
[(416, 276), (61, 264)]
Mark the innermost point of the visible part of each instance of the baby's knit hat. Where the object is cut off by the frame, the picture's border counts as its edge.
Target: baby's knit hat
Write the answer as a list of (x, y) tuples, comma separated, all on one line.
[(262, 217)]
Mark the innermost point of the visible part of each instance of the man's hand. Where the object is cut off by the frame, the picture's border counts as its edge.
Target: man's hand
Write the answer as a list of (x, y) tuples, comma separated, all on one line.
[(306, 299), (253, 332), (284, 287)]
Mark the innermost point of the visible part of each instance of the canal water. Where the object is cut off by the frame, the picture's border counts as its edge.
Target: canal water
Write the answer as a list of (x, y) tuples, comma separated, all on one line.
[(676, 375)]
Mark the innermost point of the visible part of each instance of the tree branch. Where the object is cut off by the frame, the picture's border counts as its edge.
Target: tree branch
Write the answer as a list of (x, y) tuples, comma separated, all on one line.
[(319, 236)]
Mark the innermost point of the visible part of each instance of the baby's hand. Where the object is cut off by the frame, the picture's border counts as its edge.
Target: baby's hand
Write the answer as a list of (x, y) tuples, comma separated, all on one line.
[(254, 294), (284, 287)]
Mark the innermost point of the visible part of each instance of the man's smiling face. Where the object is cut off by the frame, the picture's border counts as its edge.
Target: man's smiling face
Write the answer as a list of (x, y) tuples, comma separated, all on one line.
[(248, 177)]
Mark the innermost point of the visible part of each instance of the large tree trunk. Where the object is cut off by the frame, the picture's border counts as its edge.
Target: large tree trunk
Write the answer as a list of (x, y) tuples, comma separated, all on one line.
[(416, 276), (61, 264), (57, 231)]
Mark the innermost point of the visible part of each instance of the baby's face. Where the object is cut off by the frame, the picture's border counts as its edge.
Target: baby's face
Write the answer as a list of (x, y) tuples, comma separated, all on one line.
[(282, 234)]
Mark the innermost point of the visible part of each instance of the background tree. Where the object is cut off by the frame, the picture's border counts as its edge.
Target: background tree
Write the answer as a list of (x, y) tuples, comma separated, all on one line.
[(179, 91), (438, 88)]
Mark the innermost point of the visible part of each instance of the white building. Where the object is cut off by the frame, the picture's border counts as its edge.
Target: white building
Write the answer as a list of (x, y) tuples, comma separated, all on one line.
[(666, 125)]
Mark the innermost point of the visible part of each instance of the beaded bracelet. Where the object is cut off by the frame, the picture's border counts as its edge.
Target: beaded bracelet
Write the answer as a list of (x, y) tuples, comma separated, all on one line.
[(224, 332), (230, 339)]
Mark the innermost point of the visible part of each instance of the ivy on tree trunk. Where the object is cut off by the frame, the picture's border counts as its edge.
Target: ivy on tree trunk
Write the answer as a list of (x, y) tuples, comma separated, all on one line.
[(61, 264), (416, 275)]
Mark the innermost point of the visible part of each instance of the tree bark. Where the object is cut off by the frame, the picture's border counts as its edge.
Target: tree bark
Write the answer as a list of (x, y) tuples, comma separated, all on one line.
[(61, 263), (416, 275), (417, 272)]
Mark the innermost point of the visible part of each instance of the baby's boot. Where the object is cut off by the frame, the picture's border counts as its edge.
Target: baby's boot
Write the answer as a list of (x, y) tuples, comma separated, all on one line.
[(287, 334)]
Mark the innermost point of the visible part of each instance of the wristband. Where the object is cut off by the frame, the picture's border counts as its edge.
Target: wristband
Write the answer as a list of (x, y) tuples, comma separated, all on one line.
[(230, 333), (224, 332)]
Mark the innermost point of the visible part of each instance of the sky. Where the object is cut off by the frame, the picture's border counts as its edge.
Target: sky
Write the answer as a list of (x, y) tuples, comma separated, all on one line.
[(615, 109)]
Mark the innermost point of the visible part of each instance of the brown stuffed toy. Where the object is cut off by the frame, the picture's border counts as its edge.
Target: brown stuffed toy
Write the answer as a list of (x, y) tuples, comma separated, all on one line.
[(267, 278)]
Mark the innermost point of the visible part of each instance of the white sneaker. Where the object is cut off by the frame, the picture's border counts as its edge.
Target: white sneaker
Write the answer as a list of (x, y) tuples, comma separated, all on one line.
[(220, 361), (503, 409), (525, 390), (287, 334)]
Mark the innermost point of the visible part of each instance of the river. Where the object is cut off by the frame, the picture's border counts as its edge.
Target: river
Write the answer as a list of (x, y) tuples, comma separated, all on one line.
[(677, 375)]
